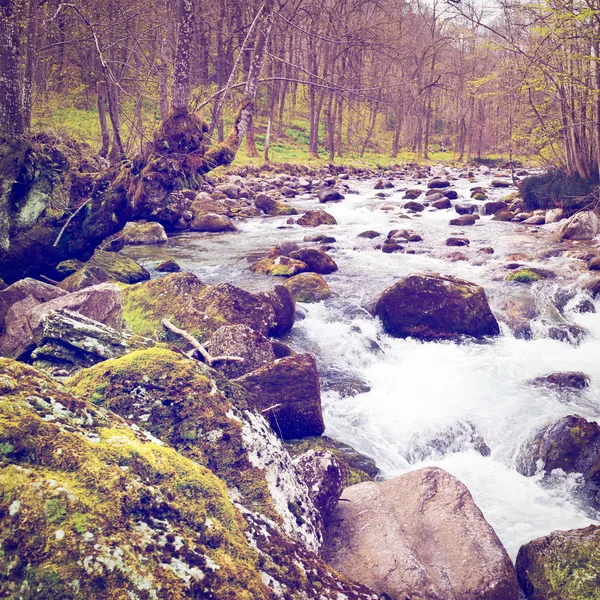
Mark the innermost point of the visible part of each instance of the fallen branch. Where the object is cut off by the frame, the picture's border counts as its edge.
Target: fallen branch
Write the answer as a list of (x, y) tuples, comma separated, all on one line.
[(198, 346), (69, 220), (271, 408)]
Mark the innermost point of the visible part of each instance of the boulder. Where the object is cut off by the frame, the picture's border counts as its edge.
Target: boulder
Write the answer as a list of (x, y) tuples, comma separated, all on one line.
[(329, 194), (503, 215), (563, 565), (314, 218), (457, 241), (324, 476), (229, 190), (463, 221), (272, 207), (287, 391), (554, 215), (369, 234), (535, 220), (70, 266), (412, 194), (284, 248), (433, 307), (491, 208), (105, 267), (571, 444), (414, 206), (281, 266), (427, 523), (390, 246), (581, 226), (436, 184), (465, 209), (317, 260), (308, 287), (450, 194), (135, 233), (284, 306), (212, 223), (501, 183), (39, 291), (442, 204), (204, 204), (168, 266), (240, 341), (594, 264), (190, 304), (569, 380)]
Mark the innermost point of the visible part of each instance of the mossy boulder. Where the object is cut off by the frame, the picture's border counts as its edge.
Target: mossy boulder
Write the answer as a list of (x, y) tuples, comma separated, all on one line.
[(105, 267), (283, 304), (308, 287), (524, 276), (212, 223), (168, 266), (358, 467), (273, 207), (564, 565), (314, 218), (281, 266), (190, 304), (143, 232), (434, 307), (93, 507)]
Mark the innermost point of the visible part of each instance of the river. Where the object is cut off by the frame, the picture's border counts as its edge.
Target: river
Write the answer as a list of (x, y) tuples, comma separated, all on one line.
[(431, 403)]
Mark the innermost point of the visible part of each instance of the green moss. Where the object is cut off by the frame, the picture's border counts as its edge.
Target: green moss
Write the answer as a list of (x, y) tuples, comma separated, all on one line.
[(54, 510), (523, 276), (479, 196)]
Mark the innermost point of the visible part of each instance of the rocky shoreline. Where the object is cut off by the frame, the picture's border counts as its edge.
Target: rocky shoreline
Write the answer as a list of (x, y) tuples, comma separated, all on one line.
[(164, 441)]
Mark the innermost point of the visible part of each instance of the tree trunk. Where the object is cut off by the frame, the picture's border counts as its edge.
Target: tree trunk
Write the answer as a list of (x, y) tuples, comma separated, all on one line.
[(116, 151), (12, 122), (30, 61), (250, 140), (101, 87), (267, 141), (182, 87), (330, 117)]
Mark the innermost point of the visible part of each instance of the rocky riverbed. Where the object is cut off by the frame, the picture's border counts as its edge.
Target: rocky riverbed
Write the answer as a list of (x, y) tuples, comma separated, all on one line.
[(444, 338)]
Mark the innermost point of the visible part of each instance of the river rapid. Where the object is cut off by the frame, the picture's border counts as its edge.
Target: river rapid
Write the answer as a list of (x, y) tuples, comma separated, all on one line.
[(409, 404)]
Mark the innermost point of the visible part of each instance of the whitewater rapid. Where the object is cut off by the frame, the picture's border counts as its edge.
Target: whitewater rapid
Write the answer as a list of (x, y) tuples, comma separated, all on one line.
[(427, 403)]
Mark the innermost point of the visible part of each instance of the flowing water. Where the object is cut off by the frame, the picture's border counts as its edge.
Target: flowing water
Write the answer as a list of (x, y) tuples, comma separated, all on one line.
[(421, 404)]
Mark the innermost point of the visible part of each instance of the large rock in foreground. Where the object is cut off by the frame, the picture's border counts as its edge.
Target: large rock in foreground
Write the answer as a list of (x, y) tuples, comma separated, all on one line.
[(433, 307), (419, 536), (288, 393), (564, 565)]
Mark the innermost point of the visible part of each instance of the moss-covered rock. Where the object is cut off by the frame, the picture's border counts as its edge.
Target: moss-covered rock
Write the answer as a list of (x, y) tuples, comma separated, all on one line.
[(564, 565), (92, 507), (524, 276), (359, 467), (103, 267), (281, 266), (314, 218), (143, 232), (308, 287), (200, 309), (317, 260), (433, 307)]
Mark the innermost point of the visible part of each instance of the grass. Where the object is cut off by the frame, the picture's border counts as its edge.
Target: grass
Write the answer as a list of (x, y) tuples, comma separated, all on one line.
[(289, 147)]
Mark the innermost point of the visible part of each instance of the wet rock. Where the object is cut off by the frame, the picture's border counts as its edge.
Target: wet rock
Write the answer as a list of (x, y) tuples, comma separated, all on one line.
[(357, 466), (465, 209), (503, 215), (284, 306), (329, 195), (450, 194), (442, 204), (212, 223), (288, 390), (594, 264), (414, 206), (343, 382), (383, 184), (456, 256), (369, 234), (433, 307), (272, 207), (283, 248), (412, 194), (105, 267), (240, 341), (39, 291), (282, 266), (190, 304), (324, 476), (438, 184), (390, 246), (136, 233), (317, 260), (416, 520), (563, 565), (491, 208), (308, 287), (524, 275), (571, 380), (457, 241), (314, 218), (500, 183), (204, 204), (535, 220), (554, 215), (581, 226), (68, 267), (463, 221), (168, 266), (571, 444)]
